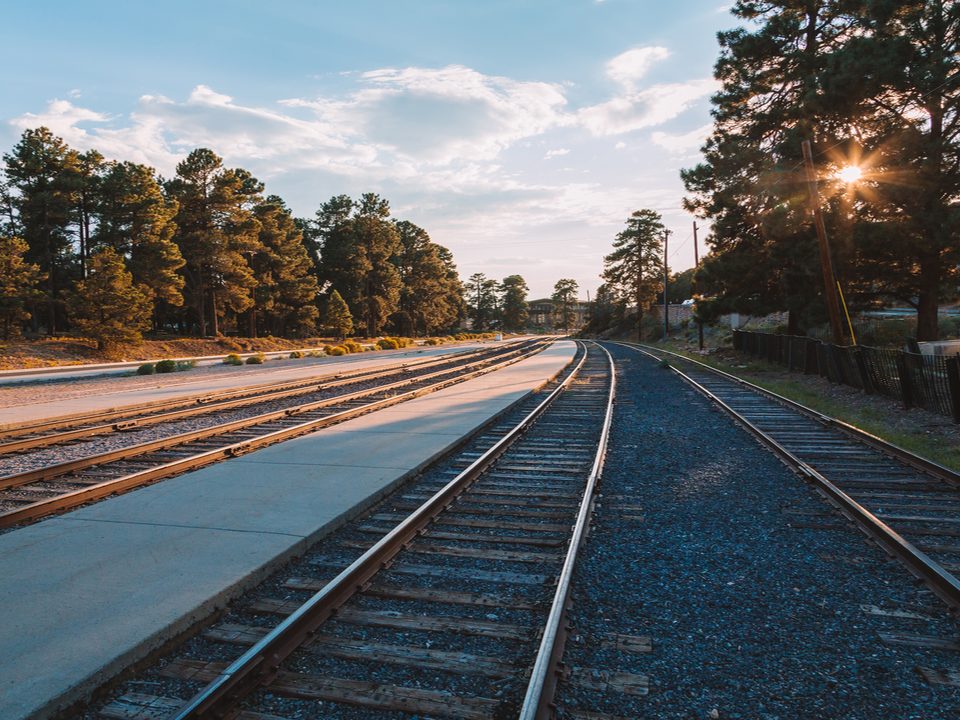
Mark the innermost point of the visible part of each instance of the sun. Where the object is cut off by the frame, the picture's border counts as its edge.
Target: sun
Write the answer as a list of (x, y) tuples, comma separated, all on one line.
[(849, 174)]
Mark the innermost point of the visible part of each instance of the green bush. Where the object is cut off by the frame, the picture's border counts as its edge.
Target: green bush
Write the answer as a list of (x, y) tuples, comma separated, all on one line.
[(257, 359), (387, 344), (146, 369), (296, 355), (351, 347), (183, 365), (166, 366), (327, 349), (233, 359), (315, 353), (432, 341), (337, 351), (684, 323)]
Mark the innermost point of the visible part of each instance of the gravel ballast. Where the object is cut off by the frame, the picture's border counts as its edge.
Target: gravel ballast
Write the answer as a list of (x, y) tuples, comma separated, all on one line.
[(751, 614)]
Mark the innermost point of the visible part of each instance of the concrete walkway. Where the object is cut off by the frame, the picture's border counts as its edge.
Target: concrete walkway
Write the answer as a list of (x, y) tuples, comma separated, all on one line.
[(87, 594)]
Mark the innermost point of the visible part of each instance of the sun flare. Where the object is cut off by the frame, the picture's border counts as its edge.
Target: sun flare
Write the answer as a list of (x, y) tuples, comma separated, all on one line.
[(849, 174)]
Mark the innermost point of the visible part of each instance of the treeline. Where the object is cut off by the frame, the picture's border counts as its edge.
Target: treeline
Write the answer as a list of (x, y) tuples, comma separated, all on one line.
[(872, 85), (110, 247)]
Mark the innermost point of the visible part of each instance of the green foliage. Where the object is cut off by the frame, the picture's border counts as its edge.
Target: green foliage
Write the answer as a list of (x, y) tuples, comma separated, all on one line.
[(888, 333), (233, 359), (146, 369), (352, 347), (107, 306), (295, 355), (482, 301), (166, 366), (17, 285), (337, 351), (513, 302), (634, 270), (387, 344), (256, 359), (327, 349), (183, 365), (564, 295), (432, 341), (430, 293), (338, 319)]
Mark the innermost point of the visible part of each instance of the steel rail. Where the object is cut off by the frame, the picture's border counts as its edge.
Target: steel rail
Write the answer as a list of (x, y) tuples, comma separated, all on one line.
[(548, 667), (943, 584), (261, 663), (69, 500), (70, 466), (105, 422), (916, 461)]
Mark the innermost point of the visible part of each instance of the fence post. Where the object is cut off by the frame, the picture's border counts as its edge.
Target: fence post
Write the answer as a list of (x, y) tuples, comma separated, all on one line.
[(737, 340), (906, 386), (953, 381), (862, 368), (810, 357)]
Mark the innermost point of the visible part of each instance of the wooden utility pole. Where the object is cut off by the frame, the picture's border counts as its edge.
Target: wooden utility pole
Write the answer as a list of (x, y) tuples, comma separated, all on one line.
[(666, 305), (833, 305), (696, 283)]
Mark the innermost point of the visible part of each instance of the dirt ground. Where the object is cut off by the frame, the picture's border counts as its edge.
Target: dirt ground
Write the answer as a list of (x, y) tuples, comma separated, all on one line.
[(20, 354)]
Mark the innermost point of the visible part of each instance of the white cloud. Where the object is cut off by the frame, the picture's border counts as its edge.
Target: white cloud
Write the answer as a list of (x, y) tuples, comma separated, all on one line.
[(73, 94), (633, 64), (646, 108), (441, 115), (682, 143), (554, 153), (620, 145)]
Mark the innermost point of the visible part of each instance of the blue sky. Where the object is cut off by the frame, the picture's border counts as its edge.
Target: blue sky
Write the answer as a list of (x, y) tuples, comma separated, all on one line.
[(519, 134)]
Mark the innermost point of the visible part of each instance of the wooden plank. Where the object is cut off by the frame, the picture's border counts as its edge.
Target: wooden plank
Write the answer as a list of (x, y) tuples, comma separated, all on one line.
[(362, 651), (135, 706), (364, 694), (876, 610), (507, 511), (949, 676), (476, 498), (609, 681), (845, 559), (627, 643), (404, 621), (449, 573), (474, 553), (472, 522), (474, 537), (448, 597), (919, 641)]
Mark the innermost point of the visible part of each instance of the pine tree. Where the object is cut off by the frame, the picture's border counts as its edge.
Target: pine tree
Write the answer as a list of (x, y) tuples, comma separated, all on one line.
[(107, 306), (338, 319), (217, 233), (513, 294), (286, 286), (635, 267), (564, 295), (39, 181), (18, 280), (482, 301), (428, 298), (135, 219)]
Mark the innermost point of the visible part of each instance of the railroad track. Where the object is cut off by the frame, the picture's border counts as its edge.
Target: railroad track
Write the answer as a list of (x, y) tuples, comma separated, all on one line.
[(59, 431), (36, 493), (908, 505), (456, 606)]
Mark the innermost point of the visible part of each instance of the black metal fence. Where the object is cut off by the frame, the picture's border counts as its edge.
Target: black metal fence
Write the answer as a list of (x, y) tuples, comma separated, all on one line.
[(931, 382)]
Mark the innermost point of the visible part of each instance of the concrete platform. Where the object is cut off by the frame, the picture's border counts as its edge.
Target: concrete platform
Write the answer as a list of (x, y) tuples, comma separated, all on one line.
[(161, 393), (87, 594)]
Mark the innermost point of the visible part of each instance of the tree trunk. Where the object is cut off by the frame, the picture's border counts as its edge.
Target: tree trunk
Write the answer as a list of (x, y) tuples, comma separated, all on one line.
[(214, 320), (931, 272)]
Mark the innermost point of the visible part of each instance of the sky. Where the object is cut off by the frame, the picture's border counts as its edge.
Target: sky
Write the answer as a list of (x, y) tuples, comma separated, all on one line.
[(521, 134)]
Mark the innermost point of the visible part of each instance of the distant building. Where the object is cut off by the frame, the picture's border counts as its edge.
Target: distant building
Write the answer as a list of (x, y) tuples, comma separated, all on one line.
[(543, 314)]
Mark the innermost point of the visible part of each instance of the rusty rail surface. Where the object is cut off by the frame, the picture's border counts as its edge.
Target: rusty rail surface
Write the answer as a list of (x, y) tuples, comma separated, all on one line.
[(63, 502), (137, 416)]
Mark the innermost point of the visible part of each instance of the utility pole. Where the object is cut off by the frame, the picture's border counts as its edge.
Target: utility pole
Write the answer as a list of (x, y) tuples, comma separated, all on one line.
[(666, 305), (833, 305), (696, 286)]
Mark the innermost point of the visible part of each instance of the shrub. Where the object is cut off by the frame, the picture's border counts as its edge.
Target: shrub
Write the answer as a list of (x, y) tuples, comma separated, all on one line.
[(387, 344), (327, 349), (337, 351), (166, 366), (296, 355), (664, 363), (684, 323), (432, 341), (351, 347), (257, 359), (233, 359), (228, 344), (315, 353), (183, 365), (146, 369)]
